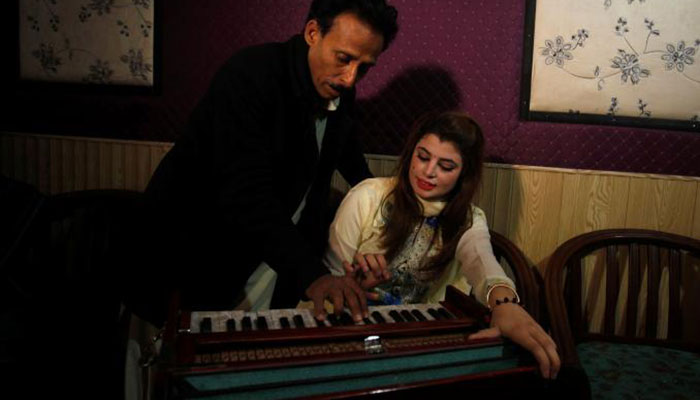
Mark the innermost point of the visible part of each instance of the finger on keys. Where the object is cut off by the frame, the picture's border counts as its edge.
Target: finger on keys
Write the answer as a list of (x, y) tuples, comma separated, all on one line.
[(364, 309), (337, 297), (319, 309), (356, 300), (352, 304)]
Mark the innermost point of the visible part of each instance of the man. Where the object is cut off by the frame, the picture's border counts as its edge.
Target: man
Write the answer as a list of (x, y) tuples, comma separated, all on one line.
[(248, 182)]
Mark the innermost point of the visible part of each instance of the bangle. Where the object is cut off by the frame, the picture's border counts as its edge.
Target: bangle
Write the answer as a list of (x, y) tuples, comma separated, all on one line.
[(515, 299)]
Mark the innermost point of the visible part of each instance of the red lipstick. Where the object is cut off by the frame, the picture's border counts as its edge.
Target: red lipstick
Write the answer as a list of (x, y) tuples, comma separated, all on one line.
[(424, 185)]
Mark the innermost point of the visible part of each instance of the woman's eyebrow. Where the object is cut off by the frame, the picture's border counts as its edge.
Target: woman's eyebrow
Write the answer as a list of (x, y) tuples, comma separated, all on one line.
[(442, 160)]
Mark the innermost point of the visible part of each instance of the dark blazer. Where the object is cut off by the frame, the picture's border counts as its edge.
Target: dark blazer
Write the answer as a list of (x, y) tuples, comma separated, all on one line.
[(225, 194)]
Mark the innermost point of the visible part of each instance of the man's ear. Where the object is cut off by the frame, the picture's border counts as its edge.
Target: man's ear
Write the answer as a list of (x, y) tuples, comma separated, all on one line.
[(312, 32)]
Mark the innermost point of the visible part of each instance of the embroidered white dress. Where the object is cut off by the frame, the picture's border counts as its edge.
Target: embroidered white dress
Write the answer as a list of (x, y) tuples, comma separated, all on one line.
[(358, 225)]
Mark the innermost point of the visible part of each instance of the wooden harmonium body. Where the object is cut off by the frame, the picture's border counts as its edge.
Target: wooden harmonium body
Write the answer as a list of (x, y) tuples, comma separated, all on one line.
[(284, 354)]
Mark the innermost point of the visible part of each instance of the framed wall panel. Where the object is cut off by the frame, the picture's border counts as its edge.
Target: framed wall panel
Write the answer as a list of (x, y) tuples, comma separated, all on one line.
[(95, 44), (621, 62)]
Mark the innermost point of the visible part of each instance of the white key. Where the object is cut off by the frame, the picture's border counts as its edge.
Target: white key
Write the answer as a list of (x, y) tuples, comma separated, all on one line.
[(308, 316), (273, 320)]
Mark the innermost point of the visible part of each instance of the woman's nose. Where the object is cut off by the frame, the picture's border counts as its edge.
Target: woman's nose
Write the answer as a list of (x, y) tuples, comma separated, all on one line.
[(430, 169)]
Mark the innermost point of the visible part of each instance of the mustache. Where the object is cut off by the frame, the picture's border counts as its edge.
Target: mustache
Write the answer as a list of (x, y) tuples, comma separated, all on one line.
[(339, 88)]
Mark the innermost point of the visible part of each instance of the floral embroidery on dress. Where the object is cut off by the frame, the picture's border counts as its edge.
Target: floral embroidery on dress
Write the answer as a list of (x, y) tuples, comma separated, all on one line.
[(409, 282)]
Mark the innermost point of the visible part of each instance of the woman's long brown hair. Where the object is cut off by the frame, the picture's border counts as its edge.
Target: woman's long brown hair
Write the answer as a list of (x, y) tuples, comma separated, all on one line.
[(403, 213)]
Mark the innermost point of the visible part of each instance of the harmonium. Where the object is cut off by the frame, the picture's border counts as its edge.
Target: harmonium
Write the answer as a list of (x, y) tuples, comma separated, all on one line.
[(287, 354)]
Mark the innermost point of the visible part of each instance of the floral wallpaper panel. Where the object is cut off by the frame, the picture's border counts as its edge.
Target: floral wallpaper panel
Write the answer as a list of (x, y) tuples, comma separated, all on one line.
[(633, 58), (87, 41)]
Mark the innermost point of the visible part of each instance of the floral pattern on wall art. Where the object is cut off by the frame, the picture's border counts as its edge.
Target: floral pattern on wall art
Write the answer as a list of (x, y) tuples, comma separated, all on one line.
[(632, 58), (87, 41)]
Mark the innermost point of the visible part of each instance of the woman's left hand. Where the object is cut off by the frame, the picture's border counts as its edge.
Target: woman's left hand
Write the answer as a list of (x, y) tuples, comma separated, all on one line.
[(512, 321)]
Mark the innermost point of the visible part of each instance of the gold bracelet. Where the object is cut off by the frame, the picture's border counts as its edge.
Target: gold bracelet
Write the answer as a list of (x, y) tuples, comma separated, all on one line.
[(488, 295)]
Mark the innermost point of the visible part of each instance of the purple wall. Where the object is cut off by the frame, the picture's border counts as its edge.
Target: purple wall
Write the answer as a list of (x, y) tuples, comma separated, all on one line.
[(448, 54)]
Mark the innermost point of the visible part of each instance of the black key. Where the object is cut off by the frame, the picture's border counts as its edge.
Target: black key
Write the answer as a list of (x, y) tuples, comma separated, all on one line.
[(396, 316), (346, 319), (320, 323), (205, 325), (298, 321), (407, 316), (378, 317), (419, 315), (246, 324), (284, 322), (433, 313), (261, 323), (445, 314), (367, 321), (231, 325), (334, 320)]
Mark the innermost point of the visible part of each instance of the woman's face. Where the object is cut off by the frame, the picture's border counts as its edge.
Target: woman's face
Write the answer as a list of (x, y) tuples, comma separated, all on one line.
[(435, 167)]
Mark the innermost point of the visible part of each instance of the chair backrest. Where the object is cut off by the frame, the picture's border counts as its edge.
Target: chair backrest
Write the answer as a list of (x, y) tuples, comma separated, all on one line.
[(73, 235), (517, 267), (21, 203), (616, 285), (66, 299)]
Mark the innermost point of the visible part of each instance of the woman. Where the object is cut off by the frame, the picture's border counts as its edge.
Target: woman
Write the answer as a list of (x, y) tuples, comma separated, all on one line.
[(422, 221)]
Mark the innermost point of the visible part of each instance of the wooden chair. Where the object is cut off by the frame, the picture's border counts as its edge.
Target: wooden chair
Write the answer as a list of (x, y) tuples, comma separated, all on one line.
[(71, 326), (619, 331), (517, 267)]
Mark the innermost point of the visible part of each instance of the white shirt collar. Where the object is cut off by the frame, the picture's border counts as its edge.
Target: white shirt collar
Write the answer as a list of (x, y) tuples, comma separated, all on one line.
[(333, 104)]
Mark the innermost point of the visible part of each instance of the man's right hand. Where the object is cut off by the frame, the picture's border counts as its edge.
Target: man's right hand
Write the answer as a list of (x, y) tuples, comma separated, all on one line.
[(342, 291)]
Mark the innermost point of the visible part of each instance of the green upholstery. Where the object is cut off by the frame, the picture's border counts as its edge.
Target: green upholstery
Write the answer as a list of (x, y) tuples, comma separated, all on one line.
[(630, 371)]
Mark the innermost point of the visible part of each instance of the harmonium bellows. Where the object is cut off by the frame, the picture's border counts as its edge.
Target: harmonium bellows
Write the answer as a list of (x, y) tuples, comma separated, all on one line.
[(287, 354)]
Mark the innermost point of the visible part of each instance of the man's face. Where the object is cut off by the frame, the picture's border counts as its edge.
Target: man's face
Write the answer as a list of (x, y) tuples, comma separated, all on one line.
[(343, 55)]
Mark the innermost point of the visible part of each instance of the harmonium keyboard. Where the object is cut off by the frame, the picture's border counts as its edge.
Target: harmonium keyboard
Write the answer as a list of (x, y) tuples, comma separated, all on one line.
[(287, 354)]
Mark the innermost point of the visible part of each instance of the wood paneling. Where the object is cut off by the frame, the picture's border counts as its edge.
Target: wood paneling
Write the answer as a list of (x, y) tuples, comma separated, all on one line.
[(80, 165), (662, 204), (55, 166), (92, 161), (505, 179), (591, 202), (61, 164), (538, 208), (486, 196), (32, 157), (43, 180), (533, 225)]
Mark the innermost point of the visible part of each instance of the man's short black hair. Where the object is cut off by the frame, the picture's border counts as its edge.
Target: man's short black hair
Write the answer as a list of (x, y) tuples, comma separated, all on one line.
[(377, 13)]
